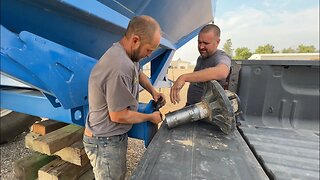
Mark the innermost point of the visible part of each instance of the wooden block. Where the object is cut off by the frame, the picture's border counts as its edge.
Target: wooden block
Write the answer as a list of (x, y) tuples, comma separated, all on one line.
[(58, 139), (45, 127), (74, 154), (87, 175), (27, 168), (29, 138), (59, 169)]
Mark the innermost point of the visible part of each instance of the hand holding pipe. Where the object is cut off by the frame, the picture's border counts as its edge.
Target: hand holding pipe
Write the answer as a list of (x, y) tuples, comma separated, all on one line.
[(217, 107)]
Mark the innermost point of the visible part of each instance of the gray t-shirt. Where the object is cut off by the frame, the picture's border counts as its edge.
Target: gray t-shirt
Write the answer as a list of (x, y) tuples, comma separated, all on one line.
[(113, 86), (196, 90)]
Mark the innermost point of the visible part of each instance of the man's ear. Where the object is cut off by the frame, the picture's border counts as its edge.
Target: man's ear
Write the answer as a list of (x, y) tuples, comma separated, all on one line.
[(218, 41), (136, 41)]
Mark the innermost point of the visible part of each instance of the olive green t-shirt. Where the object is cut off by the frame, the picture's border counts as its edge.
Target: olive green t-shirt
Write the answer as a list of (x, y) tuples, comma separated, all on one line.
[(113, 86)]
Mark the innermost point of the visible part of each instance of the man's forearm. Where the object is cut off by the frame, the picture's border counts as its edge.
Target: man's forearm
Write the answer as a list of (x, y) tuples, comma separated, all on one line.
[(145, 83), (213, 73), (129, 117)]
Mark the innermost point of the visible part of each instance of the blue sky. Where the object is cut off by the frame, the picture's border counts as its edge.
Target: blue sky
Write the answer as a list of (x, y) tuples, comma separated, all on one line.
[(251, 23)]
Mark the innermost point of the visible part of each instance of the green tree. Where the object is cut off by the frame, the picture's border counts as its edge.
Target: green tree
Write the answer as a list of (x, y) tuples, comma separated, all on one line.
[(266, 49), (227, 47), (306, 49), (288, 50), (242, 53)]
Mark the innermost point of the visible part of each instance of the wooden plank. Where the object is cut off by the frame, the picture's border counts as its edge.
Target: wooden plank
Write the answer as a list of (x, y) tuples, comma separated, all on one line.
[(27, 168), (47, 126), (87, 175), (29, 138), (74, 154), (59, 169), (58, 139)]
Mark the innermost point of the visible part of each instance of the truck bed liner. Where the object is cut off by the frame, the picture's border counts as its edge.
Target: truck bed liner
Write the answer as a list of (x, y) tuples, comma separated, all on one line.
[(284, 153), (198, 151)]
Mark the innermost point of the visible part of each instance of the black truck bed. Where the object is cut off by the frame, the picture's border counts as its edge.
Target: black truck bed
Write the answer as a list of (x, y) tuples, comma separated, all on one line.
[(285, 153), (198, 151), (278, 138), (280, 102)]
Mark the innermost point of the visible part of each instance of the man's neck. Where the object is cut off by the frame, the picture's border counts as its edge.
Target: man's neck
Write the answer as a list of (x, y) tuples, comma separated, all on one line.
[(124, 42)]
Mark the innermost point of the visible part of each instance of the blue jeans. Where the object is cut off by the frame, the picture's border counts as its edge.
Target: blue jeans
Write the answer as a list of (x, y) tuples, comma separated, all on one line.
[(107, 156)]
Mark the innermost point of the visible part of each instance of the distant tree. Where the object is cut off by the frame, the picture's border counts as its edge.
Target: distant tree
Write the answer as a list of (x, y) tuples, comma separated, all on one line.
[(242, 53), (266, 49), (306, 49), (227, 47), (288, 50)]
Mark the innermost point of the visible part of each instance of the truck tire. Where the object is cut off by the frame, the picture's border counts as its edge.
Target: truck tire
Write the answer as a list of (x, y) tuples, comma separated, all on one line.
[(13, 123)]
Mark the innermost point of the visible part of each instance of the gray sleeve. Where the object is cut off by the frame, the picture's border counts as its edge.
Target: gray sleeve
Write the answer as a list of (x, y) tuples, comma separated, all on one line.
[(118, 93), (224, 59)]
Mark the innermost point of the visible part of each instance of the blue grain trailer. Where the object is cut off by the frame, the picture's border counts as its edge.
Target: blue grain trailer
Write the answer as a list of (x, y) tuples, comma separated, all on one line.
[(51, 47)]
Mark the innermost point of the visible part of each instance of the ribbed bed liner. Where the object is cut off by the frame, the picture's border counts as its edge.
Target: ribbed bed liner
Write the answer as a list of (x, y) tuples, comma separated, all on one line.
[(280, 104), (198, 151), (284, 153)]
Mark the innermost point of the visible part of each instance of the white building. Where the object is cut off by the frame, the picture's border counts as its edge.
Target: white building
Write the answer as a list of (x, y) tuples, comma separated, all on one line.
[(286, 56), (180, 64)]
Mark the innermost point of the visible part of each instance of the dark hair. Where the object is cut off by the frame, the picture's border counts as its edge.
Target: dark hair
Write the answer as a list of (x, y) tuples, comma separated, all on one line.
[(143, 26), (211, 28)]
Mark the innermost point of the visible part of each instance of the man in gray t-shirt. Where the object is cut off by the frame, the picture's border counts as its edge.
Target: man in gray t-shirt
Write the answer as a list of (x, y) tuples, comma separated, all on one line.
[(113, 98), (212, 64)]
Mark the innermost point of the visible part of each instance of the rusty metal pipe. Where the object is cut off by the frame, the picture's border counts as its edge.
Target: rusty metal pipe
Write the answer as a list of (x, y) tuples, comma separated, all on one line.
[(217, 107), (188, 114)]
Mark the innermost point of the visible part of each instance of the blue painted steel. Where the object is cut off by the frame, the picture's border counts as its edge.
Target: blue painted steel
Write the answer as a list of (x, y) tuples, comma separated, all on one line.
[(15, 70), (159, 67), (52, 46), (34, 102), (145, 130), (63, 72)]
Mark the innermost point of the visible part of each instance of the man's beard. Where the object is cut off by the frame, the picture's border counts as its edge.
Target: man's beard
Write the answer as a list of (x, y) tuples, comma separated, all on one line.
[(204, 55), (135, 55)]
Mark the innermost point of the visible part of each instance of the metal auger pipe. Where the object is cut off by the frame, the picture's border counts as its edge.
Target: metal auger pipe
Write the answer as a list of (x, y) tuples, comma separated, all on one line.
[(217, 107), (188, 114)]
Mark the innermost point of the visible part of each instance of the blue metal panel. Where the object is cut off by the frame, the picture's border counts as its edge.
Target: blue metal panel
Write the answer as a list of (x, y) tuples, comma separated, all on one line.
[(63, 72), (145, 130), (34, 103), (52, 46), (160, 65)]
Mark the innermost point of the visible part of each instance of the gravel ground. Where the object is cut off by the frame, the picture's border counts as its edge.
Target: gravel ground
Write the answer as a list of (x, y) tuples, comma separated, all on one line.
[(15, 150), (11, 152)]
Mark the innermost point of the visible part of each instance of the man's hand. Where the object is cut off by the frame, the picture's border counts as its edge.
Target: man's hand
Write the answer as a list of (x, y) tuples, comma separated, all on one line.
[(175, 90), (156, 97), (156, 117)]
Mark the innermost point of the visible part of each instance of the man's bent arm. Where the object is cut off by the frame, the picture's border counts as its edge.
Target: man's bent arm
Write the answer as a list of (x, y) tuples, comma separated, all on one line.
[(145, 83), (219, 72), (127, 116)]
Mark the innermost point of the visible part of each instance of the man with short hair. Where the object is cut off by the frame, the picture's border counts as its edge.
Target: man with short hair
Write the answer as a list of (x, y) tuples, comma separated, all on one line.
[(212, 64), (113, 98)]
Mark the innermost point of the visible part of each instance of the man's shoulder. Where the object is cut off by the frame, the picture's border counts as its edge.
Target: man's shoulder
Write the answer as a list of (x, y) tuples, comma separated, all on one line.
[(116, 58), (222, 53)]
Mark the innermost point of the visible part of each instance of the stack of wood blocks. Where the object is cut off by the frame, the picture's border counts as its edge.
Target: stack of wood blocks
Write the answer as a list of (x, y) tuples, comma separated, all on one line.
[(59, 153)]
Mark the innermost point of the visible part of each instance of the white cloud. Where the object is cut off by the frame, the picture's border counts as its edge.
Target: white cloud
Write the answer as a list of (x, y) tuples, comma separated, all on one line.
[(250, 27)]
